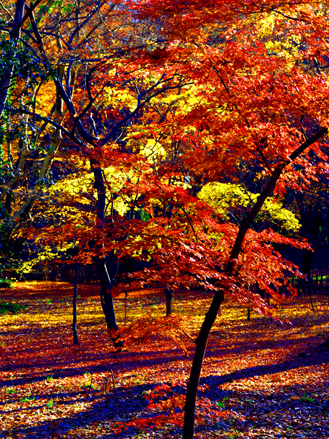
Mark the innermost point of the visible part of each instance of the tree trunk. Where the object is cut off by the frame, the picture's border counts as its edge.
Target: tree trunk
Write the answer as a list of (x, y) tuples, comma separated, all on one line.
[(106, 293), (75, 298), (306, 265), (105, 277), (201, 344), (169, 296), (7, 73)]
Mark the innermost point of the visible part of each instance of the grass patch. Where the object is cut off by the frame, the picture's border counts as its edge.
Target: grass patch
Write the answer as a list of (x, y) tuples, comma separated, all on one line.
[(11, 307)]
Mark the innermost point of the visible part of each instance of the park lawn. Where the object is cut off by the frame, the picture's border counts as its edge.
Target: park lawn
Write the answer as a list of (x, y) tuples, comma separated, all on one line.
[(261, 379)]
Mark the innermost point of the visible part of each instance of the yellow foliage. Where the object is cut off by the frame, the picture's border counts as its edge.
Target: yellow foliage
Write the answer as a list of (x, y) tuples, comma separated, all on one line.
[(48, 254), (46, 98), (153, 150), (121, 98), (79, 187), (223, 198), (277, 43)]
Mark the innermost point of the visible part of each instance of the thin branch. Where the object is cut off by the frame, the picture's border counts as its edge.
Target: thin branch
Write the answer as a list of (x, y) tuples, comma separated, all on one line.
[(30, 9), (187, 335), (130, 116), (49, 121), (6, 10), (83, 23), (264, 158), (287, 16)]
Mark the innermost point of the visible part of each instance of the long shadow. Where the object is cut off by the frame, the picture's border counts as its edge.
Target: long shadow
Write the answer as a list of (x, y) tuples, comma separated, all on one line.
[(41, 396), (249, 372), (55, 373), (78, 396), (275, 411), (62, 369), (257, 346), (255, 327), (130, 404)]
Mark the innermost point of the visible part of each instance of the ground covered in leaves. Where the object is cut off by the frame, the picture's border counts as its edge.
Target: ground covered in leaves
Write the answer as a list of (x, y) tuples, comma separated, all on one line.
[(260, 379)]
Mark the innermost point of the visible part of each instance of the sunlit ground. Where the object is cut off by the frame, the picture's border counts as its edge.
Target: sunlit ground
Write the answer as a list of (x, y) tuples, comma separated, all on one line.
[(255, 383)]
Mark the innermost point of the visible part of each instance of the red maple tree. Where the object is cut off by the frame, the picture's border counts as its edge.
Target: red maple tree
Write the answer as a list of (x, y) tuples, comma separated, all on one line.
[(230, 93)]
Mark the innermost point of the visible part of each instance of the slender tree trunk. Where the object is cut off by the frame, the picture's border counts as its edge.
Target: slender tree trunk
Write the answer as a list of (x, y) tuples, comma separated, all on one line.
[(201, 344), (169, 296), (75, 298), (306, 265)]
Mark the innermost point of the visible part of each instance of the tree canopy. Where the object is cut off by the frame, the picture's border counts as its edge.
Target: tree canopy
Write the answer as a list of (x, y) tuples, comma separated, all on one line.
[(170, 133)]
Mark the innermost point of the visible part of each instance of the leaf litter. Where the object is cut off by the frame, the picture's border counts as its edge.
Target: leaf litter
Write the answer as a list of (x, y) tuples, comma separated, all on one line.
[(260, 379)]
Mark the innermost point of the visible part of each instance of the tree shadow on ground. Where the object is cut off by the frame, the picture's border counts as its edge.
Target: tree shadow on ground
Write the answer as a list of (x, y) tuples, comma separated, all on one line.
[(130, 404), (104, 362), (127, 404), (311, 359)]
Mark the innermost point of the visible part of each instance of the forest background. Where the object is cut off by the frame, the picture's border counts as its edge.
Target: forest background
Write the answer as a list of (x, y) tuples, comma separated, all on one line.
[(174, 145)]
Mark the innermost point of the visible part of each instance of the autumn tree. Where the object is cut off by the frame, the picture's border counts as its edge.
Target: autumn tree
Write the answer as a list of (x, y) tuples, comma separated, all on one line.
[(93, 87), (260, 72), (246, 76)]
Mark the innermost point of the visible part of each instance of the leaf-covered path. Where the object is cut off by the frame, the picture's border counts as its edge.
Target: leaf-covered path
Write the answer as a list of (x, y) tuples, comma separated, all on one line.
[(260, 379)]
